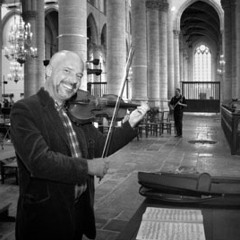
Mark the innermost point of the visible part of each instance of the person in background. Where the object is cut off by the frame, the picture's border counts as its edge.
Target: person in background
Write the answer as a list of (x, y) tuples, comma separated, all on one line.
[(58, 159), (177, 105)]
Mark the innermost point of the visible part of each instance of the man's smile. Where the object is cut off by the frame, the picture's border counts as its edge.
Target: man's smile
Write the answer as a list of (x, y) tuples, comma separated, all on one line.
[(69, 86)]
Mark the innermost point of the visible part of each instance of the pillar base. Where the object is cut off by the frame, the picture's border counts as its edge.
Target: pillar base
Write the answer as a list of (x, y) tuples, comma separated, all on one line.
[(164, 104), (153, 102)]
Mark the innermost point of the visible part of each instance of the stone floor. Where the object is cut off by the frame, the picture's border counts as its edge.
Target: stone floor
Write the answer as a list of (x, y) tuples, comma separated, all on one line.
[(117, 195)]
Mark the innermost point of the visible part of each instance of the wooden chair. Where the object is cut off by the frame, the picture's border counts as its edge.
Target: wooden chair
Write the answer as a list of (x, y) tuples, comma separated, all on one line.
[(165, 123), (9, 168)]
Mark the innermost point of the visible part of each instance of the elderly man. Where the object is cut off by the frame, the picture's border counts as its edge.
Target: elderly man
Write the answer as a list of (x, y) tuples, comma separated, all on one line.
[(56, 175)]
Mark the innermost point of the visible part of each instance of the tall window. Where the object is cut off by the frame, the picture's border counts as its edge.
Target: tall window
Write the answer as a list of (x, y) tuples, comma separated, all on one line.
[(202, 64)]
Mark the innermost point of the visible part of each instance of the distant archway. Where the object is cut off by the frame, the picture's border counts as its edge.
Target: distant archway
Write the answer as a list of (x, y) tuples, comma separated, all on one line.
[(187, 3), (51, 32), (92, 32), (104, 36)]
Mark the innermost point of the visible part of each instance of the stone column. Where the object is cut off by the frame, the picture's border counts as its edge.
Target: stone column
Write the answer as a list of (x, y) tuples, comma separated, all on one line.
[(40, 42), (153, 52), (181, 66), (190, 67), (235, 85), (139, 38), (238, 46), (116, 44), (176, 59), (171, 70), (227, 90), (73, 29), (163, 53), (29, 14), (1, 76), (185, 66)]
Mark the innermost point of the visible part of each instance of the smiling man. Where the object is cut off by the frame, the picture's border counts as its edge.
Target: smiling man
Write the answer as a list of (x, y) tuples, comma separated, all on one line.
[(55, 157)]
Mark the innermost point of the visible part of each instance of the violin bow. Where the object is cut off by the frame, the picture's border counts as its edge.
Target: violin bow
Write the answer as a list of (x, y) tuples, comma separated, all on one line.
[(116, 108)]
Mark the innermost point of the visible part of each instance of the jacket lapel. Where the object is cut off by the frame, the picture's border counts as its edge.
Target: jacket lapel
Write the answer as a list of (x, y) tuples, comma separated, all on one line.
[(51, 114)]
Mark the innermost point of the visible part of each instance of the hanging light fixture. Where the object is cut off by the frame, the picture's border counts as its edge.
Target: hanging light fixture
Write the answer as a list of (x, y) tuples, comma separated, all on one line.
[(20, 42), (16, 72)]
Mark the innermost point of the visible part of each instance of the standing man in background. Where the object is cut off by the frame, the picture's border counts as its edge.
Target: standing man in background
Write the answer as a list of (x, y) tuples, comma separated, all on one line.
[(177, 104)]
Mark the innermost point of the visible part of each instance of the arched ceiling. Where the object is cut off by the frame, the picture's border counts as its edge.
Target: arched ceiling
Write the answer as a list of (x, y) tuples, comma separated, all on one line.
[(200, 20)]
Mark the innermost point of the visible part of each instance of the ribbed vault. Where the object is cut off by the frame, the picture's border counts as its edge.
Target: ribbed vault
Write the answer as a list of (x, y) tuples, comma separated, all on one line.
[(200, 20)]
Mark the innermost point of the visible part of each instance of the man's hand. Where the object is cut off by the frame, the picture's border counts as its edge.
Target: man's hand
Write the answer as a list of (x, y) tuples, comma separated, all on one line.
[(182, 104), (137, 115), (98, 167)]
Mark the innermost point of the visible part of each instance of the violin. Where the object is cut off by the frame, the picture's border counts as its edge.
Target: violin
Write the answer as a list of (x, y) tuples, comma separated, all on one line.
[(84, 108)]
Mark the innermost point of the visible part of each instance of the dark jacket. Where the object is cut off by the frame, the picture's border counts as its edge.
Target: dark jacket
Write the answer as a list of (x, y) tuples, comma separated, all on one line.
[(47, 173)]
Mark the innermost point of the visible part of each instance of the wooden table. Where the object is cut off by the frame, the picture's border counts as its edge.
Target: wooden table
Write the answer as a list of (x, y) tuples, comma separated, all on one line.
[(219, 224)]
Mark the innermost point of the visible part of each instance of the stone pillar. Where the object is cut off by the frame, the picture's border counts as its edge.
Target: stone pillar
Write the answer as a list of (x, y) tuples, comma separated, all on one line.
[(153, 52), (176, 59), (181, 65), (139, 38), (235, 85), (171, 70), (40, 42), (185, 66), (227, 90), (29, 14), (163, 53), (116, 44), (1, 76), (238, 46), (190, 67), (73, 29)]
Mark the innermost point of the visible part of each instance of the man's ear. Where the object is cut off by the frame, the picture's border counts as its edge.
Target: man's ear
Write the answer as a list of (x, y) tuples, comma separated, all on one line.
[(48, 71)]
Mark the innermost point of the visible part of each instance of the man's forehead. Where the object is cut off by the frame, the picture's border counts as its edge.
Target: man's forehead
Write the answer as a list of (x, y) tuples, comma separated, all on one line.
[(71, 64)]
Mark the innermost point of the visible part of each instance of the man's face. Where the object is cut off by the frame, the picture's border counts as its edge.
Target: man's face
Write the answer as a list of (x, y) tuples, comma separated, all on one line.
[(177, 93), (66, 77)]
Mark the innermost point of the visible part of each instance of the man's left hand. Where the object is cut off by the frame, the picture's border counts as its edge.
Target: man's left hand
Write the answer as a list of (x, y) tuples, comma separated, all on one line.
[(137, 115)]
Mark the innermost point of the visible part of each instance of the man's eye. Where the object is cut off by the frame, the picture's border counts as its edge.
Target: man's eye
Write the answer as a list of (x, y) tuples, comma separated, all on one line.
[(66, 71), (79, 77)]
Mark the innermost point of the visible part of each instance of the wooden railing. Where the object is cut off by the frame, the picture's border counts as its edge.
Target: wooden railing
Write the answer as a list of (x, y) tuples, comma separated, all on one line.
[(231, 126)]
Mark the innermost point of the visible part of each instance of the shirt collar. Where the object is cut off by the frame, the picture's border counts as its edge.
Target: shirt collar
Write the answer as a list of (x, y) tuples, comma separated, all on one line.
[(58, 107)]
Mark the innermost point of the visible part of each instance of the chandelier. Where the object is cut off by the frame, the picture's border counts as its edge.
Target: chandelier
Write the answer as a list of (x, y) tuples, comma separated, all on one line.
[(16, 72), (20, 42)]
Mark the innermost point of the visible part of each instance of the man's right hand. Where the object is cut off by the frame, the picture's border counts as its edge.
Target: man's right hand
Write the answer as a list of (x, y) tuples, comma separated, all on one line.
[(98, 167)]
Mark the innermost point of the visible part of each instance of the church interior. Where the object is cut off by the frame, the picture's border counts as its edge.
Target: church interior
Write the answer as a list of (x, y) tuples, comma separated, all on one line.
[(134, 52)]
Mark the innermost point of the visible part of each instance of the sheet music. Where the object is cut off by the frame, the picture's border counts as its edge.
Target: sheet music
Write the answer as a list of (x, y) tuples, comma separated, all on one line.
[(171, 224), (173, 215)]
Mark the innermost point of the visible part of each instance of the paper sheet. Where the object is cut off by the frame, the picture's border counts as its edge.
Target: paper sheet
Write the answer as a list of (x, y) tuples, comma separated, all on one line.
[(173, 215), (171, 224), (170, 231)]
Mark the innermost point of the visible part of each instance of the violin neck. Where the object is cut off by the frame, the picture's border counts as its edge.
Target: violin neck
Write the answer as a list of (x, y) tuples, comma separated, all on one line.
[(122, 104)]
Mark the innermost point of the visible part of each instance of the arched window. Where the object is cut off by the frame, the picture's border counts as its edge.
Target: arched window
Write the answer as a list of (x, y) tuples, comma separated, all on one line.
[(202, 64)]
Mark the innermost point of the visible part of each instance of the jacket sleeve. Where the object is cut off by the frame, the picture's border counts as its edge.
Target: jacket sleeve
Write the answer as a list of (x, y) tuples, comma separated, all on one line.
[(36, 155), (121, 137)]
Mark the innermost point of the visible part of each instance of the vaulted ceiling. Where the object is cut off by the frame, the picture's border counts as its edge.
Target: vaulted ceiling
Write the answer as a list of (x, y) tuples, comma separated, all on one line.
[(200, 20)]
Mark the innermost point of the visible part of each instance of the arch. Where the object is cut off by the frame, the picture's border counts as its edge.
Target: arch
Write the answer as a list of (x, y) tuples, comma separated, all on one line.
[(52, 8), (92, 31), (104, 36), (7, 17), (187, 3), (51, 32)]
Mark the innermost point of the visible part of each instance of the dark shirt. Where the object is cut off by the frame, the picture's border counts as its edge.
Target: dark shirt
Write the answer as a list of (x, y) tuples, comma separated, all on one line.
[(175, 100)]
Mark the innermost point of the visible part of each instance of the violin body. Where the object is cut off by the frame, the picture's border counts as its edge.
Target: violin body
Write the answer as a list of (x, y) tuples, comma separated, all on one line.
[(84, 108)]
